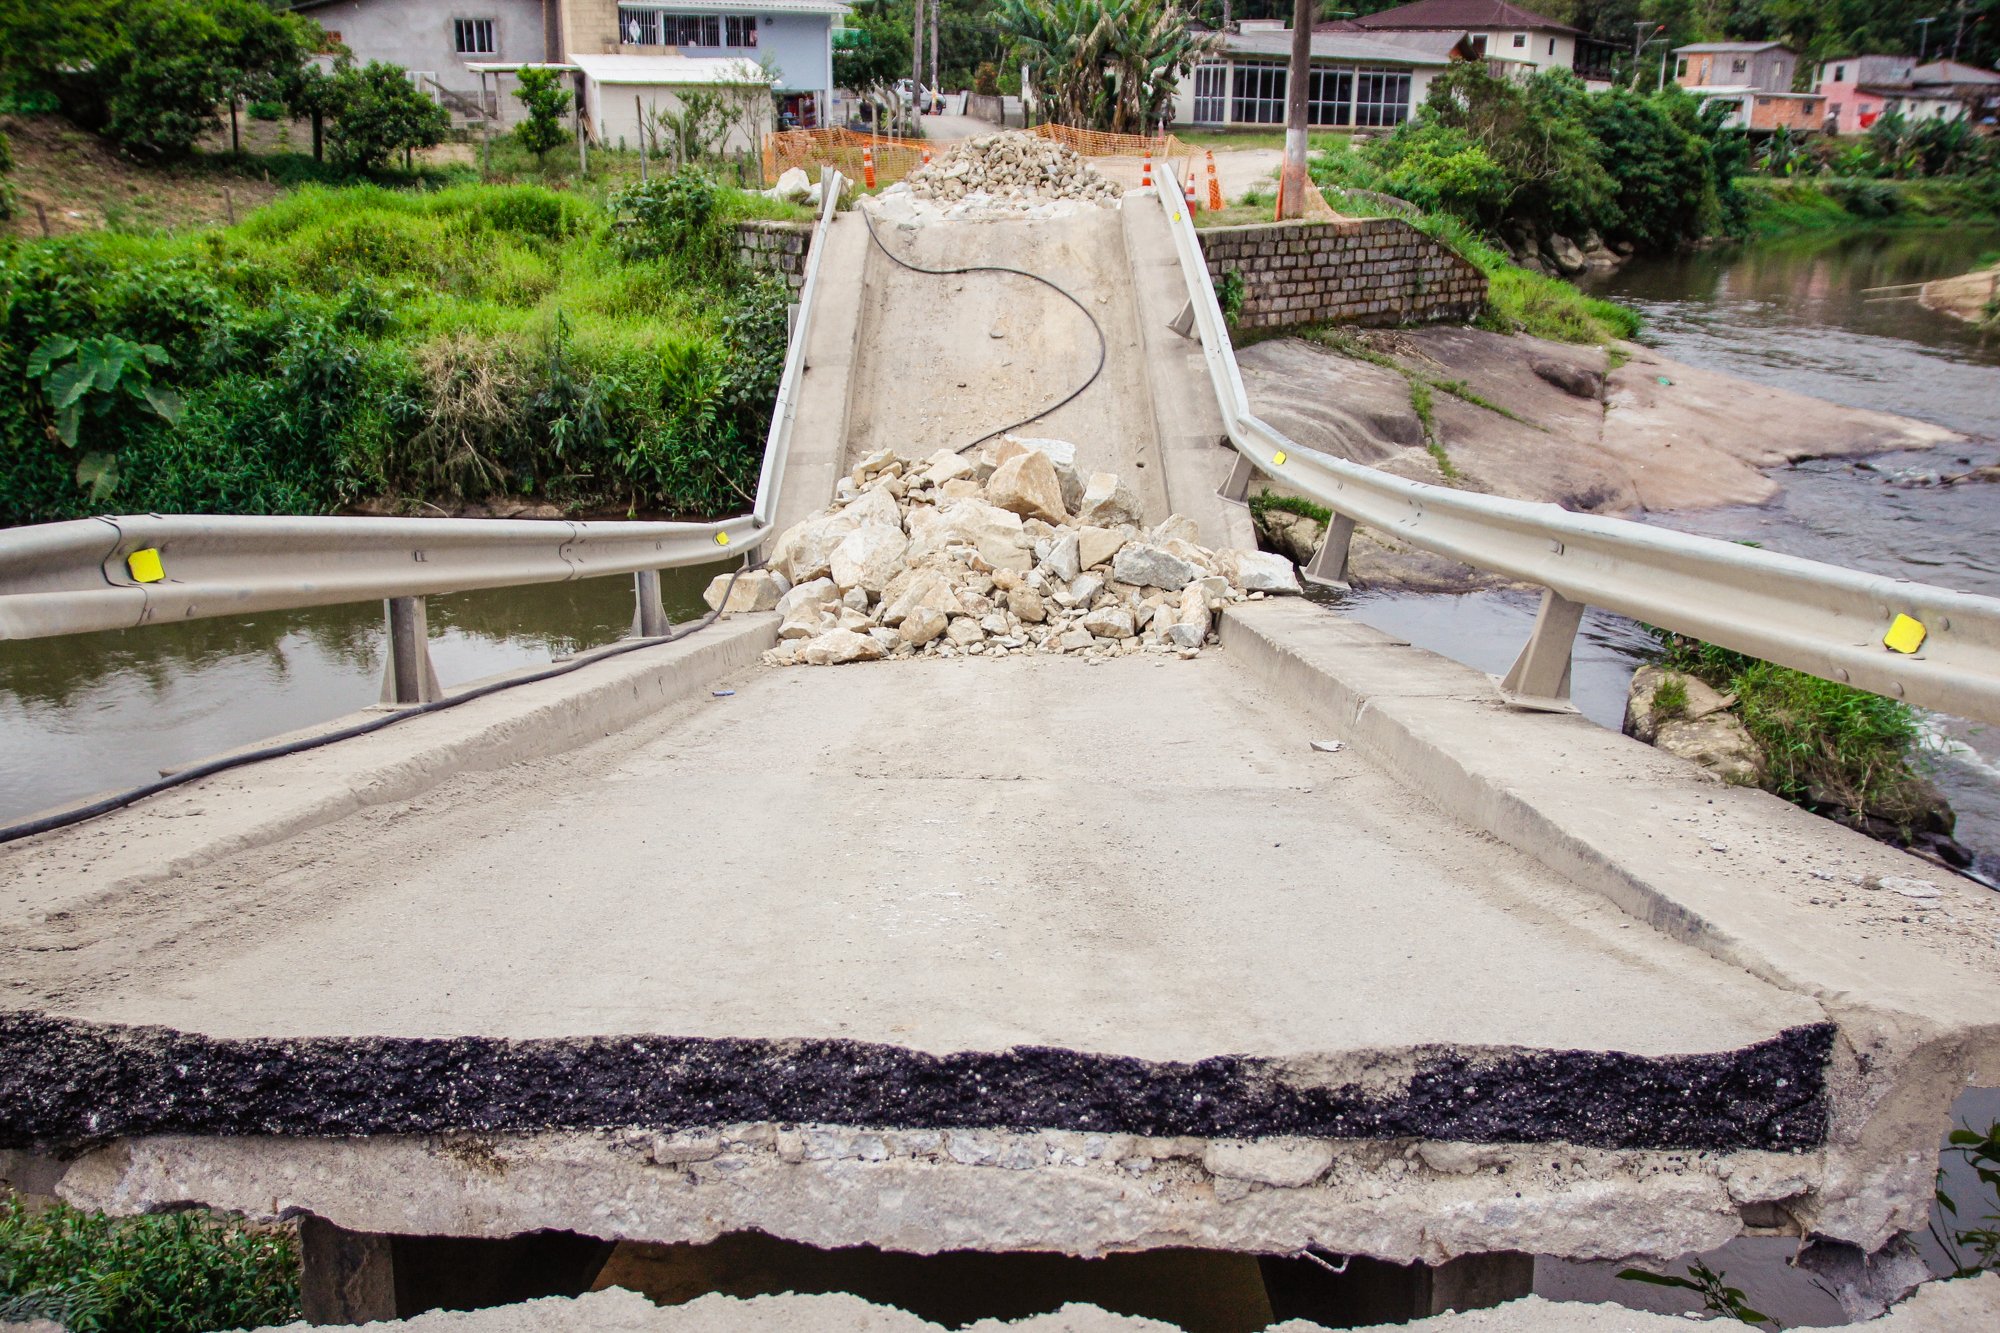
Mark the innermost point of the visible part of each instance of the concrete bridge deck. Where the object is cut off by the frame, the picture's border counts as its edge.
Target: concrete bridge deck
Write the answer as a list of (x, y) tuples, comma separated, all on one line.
[(1021, 954)]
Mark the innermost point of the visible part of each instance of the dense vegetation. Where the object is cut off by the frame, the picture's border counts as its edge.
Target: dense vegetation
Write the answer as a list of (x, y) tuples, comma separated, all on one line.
[(437, 346), (175, 1273), (1525, 160)]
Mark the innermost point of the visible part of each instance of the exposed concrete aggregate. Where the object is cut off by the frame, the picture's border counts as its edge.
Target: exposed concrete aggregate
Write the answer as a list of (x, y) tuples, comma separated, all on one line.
[(923, 1192)]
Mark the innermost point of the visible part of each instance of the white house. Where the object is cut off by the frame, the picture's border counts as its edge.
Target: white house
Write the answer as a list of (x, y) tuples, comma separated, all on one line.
[(1495, 29), (1357, 83), (441, 44), (622, 91)]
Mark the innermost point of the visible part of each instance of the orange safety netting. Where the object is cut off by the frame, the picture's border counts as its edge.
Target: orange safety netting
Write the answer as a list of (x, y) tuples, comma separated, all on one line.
[(892, 158)]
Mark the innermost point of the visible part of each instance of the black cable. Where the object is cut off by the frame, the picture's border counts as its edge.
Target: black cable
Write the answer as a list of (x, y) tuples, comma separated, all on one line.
[(76, 816), (1103, 347)]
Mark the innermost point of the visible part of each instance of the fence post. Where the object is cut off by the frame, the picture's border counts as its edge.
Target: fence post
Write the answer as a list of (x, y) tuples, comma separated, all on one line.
[(1539, 679), (409, 677), (1328, 567), (649, 621)]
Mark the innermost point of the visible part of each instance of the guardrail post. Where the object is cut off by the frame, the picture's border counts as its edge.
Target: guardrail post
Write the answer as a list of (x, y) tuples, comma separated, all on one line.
[(1238, 484), (1540, 676), (409, 677), (1328, 567), (649, 621)]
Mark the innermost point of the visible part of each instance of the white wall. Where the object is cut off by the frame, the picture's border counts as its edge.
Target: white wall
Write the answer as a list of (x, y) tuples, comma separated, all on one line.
[(614, 116), (800, 45), (417, 34)]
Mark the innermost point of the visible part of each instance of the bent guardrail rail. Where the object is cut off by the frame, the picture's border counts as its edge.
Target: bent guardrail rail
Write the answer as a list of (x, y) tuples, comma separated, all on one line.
[(1818, 618), (130, 570)]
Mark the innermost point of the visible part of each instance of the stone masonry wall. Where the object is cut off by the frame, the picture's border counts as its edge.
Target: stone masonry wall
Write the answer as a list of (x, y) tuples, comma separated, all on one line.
[(1358, 271), (780, 247)]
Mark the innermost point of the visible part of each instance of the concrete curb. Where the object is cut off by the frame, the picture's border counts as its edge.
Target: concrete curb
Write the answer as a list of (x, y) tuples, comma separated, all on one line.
[(1639, 827), (261, 804)]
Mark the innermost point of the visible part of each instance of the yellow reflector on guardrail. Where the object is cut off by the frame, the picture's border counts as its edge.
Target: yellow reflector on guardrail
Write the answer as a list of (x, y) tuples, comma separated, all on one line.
[(1278, 458), (1905, 635), (722, 539), (145, 565)]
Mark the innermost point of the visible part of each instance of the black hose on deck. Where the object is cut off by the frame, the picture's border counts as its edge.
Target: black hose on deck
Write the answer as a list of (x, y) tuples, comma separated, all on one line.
[(1103, 348)]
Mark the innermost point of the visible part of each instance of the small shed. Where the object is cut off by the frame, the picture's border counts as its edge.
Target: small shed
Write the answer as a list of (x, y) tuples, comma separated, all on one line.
[(618, 91)]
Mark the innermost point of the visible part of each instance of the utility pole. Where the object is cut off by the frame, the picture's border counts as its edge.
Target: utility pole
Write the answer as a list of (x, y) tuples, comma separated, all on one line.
[(1639, 39), (1292, 182), (1924, 36), (937, 76), (916, 60)]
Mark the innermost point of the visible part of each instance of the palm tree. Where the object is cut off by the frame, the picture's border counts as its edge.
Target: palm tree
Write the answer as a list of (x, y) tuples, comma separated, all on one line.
[(1104, 64)]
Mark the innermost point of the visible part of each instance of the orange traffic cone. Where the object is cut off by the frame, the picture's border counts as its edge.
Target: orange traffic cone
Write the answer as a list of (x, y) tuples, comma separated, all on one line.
[(1214, 185), (927, 157), (1188, 190), (1146, 173), (868, 165)]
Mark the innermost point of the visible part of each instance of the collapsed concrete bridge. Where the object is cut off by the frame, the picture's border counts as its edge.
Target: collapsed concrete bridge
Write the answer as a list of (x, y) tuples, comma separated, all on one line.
[(1015, 955)]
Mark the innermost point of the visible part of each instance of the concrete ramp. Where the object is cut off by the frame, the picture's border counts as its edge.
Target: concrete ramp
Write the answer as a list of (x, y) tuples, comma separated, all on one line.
[(918, 362)]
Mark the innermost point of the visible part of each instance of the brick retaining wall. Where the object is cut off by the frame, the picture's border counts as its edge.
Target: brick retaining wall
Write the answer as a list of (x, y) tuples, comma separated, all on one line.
[(1359, 271), (780, 247)]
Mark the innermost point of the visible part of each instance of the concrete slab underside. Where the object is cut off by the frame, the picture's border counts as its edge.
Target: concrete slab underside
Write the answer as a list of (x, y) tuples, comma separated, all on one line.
[(1938, 1307), (1074, 942)]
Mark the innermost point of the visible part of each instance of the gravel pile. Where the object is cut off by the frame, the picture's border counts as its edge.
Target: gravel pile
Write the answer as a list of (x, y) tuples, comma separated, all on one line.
[(1010, 552), (1019, 169)]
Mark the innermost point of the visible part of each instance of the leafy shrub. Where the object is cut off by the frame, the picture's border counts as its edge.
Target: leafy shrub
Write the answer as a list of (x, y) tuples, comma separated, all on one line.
[(679, 217), (380, 113), (149, 74), (546, 103), (986, 82), (176, 1273), (267, 110)]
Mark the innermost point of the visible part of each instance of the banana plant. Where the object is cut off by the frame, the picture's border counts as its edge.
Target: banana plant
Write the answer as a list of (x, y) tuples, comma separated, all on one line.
[(98, 376)]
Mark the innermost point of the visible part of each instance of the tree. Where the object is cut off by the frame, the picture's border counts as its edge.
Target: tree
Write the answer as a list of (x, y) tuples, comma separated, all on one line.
[(1536, 130), (1104, 64), (380, 113), (148, 74), (541, 92)]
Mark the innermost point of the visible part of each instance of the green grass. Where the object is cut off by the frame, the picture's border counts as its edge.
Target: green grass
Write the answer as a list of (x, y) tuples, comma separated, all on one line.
[(430, 345), (1827, 744), (1291, 504), (174, 1273)]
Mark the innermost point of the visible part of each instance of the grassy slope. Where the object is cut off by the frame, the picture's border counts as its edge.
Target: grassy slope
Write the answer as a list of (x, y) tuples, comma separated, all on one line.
[(1784, 206)]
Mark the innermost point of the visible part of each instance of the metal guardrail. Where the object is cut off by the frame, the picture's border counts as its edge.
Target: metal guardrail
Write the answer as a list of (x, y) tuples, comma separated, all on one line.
[(1822, 619), (111, 573)]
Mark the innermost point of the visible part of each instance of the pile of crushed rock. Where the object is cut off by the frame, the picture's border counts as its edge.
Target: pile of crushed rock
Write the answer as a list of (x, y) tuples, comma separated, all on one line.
[(999, 175), (1012, 551)]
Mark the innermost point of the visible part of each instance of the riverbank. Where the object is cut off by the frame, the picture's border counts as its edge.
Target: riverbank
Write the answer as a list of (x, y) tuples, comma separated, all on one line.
[(1620, 430), (1972, 297), (1783, 206)]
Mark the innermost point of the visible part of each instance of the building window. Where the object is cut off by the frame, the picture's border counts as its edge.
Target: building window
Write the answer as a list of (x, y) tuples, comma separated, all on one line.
[(474, 37), (1479, 45), (1211, 93), (1840, 74), (1330, 97), (1680, 69), (1738, 66), (1763, 101), (1381, 98), (659, 27), (1257, 94), (1552, 46)]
